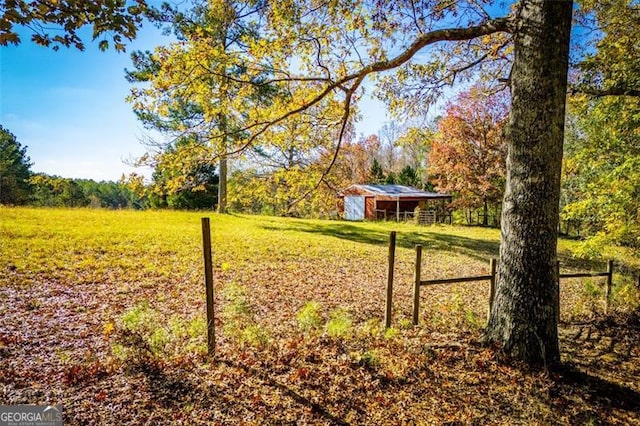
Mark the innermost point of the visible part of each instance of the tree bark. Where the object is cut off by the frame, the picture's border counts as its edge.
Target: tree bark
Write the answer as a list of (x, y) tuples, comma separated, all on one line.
[(485, 212), (523, 318), (222, 185), (222, 165)]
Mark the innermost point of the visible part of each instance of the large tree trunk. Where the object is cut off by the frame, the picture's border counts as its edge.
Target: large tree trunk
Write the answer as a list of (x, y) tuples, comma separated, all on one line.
[(523, 317)]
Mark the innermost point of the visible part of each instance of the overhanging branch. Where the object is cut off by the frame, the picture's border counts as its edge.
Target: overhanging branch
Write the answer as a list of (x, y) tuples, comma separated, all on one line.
[(353, 80)]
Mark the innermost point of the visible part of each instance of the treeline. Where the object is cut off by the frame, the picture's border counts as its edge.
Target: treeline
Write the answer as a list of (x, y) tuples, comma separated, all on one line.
[(42, 190), (55, 191), (20, 186)]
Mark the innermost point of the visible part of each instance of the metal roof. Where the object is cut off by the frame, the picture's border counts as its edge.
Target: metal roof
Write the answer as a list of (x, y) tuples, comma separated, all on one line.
[(398, 191)]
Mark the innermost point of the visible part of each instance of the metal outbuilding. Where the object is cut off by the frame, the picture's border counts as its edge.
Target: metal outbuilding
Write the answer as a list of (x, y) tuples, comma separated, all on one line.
[(370, 202)]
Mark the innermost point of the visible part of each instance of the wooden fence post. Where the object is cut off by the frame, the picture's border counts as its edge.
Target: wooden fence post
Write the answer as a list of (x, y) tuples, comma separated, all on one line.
[(392, 257), (208, 281), (558, 292), (607, 291), (492, 285), (416, 285)]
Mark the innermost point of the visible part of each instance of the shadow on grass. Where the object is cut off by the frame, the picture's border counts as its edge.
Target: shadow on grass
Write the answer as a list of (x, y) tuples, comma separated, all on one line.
[(316, 408), (478, 249), (440, 241), (170, 390), (598, 393)]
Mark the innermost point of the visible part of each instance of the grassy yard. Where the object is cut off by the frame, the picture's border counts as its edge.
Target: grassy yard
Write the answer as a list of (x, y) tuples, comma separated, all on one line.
[(103, 311)]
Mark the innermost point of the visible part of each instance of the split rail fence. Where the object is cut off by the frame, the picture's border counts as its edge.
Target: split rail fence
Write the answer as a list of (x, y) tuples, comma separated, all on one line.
[(491, 277), (419, 282)]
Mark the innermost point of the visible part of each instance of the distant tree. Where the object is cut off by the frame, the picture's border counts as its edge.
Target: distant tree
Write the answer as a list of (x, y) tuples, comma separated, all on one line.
[(613, 67), (390, 179), (376, 173), (202, 196), (389, 153), (107, 194), (55, 191), (14, 170), (138, 189), (355, 160), (468, 155), (57, 22), (414, 146), (408, 176), (184, 177), (601, 167), (282, 174), (601, 173), (188, 87)]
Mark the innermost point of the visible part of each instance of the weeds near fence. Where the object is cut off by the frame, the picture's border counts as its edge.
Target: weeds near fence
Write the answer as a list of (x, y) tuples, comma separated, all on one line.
[(239, 318), (143, 336)]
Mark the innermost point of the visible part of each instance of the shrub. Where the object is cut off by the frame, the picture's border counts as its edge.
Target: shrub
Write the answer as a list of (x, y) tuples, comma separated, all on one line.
[(372, 327), (626, 296), (340, 324), (369, 358), (143, 336), (309, 317), (391, 333), (237, 315), (255, 335)]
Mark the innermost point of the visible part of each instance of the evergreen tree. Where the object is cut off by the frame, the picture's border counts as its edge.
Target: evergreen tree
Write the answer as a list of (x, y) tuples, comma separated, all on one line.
[(408, 176), (14, 170), (376, 173)]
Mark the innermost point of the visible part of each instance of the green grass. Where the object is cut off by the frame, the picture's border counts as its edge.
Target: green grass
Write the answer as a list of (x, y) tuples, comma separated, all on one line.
[(96, 245), (160, 249), (299, 305)]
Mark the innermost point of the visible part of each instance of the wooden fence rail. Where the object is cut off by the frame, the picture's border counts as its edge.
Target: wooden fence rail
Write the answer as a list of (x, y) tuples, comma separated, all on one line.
[(491, 277), (607, 290), (418, 282)]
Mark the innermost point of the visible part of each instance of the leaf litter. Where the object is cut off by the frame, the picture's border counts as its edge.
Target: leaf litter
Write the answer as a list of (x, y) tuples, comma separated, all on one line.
[(65, 290)]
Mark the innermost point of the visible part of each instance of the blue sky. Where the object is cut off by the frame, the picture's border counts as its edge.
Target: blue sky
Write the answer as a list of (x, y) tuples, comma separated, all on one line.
[(68, 107)]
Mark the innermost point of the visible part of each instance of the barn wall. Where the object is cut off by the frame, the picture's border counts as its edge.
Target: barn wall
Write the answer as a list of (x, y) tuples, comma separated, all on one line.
[(354, 207), (370, 208)]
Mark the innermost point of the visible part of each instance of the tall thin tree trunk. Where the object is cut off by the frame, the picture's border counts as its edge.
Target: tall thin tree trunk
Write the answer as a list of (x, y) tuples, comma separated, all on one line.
[(485, 212), (523, 318), (222, 185), (222, 166)]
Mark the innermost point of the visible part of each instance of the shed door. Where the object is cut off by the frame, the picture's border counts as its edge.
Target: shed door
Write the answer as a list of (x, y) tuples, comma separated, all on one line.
[(354, 207)]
